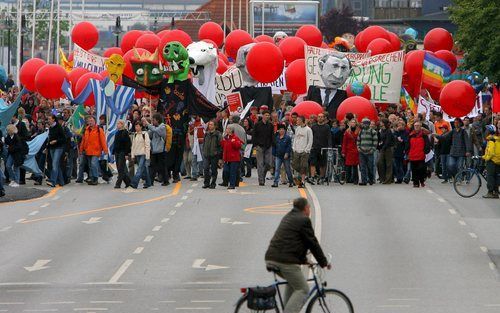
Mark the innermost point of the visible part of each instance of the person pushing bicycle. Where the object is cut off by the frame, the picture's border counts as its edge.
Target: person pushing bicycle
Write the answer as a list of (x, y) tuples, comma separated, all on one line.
[(288, 251)]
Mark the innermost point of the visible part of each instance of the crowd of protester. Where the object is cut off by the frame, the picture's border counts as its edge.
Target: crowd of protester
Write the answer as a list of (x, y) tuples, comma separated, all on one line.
[(286, 149)]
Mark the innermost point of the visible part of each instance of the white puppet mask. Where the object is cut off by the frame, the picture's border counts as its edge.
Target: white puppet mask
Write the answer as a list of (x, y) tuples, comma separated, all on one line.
[(241, 64), (334, 69), (201, 55)]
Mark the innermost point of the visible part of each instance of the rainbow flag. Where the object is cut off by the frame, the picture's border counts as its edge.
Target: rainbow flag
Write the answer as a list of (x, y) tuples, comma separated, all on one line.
[(435, 72), (407, 100)]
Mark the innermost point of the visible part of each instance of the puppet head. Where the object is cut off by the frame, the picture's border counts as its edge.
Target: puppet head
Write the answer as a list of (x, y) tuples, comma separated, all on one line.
[(115, 66), (241, 64), (201, 55), (279, 36), (146, 68), (340, 44), (408, 42), (334, 68), (177, 57)]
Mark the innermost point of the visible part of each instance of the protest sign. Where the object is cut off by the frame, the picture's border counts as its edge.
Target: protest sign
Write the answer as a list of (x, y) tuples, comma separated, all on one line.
[(226, 83), (87, 60), (276, 86), (234, 102)]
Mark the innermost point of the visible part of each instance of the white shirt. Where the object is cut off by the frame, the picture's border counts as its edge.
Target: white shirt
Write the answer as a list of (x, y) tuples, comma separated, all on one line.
[(323, 95)]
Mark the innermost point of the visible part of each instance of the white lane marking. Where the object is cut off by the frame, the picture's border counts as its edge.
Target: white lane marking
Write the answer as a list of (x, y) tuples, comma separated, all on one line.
[(34, 213), (393, 306), (117, 289), (317, 212), (199, 262), (430, 191), (20, 220), (6, 228), (148, 238), (41, 310), (407, 299), (492, 266), (194, 185), (184, 197), (213, 289), (156, 228), (45, 205), (105, 301), (178, 204), (492, 305), (473, 235), (452, 211), (189, 191), (165, 220), (24, 290), (58, 302), (78, 290), (39, 265), (167, 301), (226, 220), (484, 249), (204, 282), (462, 223), (120, 272), (138, 250), (208, 301), (171, 213), (56, 197), (92, 220), (193, 308), (90, 309), (441, 200), (11, 303), (23, 284)]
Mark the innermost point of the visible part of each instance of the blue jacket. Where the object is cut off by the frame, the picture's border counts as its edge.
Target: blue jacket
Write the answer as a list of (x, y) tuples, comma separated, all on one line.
[(282, 146)]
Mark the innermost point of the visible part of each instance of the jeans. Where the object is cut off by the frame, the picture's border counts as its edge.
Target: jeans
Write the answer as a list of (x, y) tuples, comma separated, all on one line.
[(141, 169), (232, 168), (159, 166), (56, 174), (264, 157), (444, 171), (196, 167), (1, 180), (210, 170), (366, 165), (94, 166), (121, 166), (296, 290), (81, 167), (288, 169), (492, 176), (454, 165), (384, 164), (399, 168), (12, 170)]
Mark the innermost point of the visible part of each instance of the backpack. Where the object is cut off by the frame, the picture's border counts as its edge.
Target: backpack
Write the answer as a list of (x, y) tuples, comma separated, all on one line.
[(168, 137), (261, 298)]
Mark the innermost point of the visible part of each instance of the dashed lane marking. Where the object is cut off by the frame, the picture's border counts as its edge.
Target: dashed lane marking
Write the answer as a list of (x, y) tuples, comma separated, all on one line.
[(463, 223), (441, 200), (41, 310), (484, 249), (179, 204), (165, 220), (184, 197), (171, 213), (21, 220), (189, 191), (190, 309), (123, 268), (58, 302), (452, 211), (45, 205), (148, 238), (105, 301), (117, 289), (473, 235), (90, 309), (11, 303), (156, 228), (166, 301), (208, 301), (139, 250), (6, 228), (407, 299), (394, 306), (34, 213)]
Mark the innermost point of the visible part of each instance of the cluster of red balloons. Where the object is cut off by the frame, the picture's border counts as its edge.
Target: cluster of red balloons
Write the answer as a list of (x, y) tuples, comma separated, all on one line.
[(377, 40)]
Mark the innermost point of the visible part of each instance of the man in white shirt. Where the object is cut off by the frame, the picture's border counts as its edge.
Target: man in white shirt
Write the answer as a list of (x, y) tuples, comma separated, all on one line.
[(301, 146)]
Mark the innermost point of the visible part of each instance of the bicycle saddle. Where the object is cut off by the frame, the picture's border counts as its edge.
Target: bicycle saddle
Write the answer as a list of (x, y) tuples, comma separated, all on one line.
[(272, 268)]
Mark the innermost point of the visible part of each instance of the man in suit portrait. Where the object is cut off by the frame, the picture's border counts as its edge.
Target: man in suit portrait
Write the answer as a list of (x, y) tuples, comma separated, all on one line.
[(334, 69)]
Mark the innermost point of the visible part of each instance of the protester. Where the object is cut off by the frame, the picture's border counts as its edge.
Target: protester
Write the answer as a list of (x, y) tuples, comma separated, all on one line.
[(92, 147), (418, 147), (231, 146), (367, 142), (262, 137), (282, 152), (492, 158), (16, 154), (121, 151), (247, 154), (386, 153), (56, 144), (141, 153), (322, 139), (301, 146), (350, 152), (158, 135), (461, 147), (212, 153), (401, 141)]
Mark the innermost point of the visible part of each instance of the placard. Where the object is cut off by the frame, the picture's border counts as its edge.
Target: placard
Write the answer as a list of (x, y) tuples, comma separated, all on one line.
[(87, 60)]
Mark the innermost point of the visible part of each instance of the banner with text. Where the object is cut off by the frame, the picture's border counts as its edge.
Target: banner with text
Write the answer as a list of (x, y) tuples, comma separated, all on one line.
[(277, 86), (87, 60)]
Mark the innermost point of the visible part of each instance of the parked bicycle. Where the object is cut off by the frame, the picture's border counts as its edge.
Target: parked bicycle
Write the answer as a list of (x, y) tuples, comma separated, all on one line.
[(468, 181), (320, 298), (335, 169)]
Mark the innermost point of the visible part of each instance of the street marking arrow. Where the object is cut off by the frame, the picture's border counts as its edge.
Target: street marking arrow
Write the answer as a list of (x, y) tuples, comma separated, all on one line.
[(92, 220), (198, 263), (39, 265), (214, 267), (240, 223)]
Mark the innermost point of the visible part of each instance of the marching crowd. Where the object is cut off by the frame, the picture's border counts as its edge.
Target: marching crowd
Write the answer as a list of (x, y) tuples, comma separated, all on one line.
[(399, 147)]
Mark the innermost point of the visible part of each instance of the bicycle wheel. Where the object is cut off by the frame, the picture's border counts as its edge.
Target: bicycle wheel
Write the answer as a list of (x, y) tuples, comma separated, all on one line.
[(241, 307), (332, 301), (328, 173), (341, 175), (467, 183)]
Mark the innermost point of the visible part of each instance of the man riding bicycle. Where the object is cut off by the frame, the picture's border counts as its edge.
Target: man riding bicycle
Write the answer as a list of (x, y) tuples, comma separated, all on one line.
[(288, 250)]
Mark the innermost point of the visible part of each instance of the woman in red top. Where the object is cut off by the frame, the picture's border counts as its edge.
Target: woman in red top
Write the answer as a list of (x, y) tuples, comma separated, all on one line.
[(231, 146), (418, 147), (350, 152)]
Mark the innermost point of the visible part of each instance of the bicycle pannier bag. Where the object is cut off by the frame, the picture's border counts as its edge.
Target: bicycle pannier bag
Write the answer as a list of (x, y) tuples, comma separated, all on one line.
[(261, 298)]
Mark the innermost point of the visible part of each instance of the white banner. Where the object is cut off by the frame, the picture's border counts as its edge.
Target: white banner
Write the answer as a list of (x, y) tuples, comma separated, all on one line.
[(278, 85), (383, 73), (312, 56), (87, 60), (424, 106)]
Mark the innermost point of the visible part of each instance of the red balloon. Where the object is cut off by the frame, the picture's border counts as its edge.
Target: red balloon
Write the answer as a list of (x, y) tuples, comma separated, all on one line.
[(295, 76), (221, 67), (292, 48), (264, 38), (358, 106), (74, 76), (129, 71), (448, 57), (413, 71), (49, 80), (149, 42), (113, 50), (395, 42), (236, 39), (457, 98), (324, 45), (176, 35), (28, 72), (357, 42), (379, 46), (366, 93), (224, 58), (308, 108), (265, 69), (129, 39), (310, 34), (85, 35), (438, 39), (82, 83), (212, 42), (369, 34), (212, 31)]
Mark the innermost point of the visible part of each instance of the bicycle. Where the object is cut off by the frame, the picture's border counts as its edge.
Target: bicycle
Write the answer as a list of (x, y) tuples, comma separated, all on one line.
[(467, 182), (335, 170), (320, 299)]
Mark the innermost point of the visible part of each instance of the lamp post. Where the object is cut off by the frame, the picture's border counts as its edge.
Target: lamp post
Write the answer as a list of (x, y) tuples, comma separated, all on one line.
[(23, 33), (8, 22), (155, 25), (118, 29)]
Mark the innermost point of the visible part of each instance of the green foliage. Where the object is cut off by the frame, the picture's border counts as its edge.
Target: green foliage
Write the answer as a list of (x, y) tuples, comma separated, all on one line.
[(337, 22), (478, 22)]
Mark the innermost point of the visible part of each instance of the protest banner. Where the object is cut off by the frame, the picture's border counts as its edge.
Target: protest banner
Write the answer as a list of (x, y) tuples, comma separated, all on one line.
[(312, 56), (226, 83), (276, 86), (234, 102), (87, 60)]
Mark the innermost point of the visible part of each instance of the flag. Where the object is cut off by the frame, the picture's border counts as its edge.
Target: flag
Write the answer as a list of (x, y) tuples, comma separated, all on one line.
[(8, 111), (76, 122), (30, 164), (408, 101), (495, 102), (66, 89), (435, 72)]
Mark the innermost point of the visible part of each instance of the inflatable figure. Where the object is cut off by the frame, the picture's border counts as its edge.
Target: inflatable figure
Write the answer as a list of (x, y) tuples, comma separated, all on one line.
[(115, 66), (146, 68), (204, 61), (177, 57), (241, 64)]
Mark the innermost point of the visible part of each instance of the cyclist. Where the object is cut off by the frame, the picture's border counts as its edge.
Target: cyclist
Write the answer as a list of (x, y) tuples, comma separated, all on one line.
[(492, 158), (288, 249)]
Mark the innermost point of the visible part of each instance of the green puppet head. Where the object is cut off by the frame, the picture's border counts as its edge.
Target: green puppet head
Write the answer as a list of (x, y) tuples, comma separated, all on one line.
[(408, 42), (147, 68), (178, 61)]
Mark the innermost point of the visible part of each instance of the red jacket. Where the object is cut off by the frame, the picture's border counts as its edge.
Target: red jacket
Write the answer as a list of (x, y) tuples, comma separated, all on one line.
[(417, 145), (231, 147), (350, 148)]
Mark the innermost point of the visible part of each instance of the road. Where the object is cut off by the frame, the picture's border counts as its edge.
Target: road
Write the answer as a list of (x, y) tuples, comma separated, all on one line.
[(186, 249)]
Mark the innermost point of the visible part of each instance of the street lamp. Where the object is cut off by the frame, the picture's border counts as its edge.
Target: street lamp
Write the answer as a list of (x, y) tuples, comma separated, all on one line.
[(118, 29), (155, 25), (8, 22), (23, 33)]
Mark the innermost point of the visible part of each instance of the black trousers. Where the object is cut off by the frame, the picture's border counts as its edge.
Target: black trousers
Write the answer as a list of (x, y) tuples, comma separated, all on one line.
[(121, 166), (158, 166), (418, 172), (493, 176), (174, 157), (351, 172), (210, 166)]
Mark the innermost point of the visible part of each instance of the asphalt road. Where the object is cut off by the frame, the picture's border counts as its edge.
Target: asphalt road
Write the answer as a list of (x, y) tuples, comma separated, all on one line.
[(186, 249)]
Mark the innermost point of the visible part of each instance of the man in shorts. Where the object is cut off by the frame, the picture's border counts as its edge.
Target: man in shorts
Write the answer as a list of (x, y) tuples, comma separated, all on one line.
[(301, 146)]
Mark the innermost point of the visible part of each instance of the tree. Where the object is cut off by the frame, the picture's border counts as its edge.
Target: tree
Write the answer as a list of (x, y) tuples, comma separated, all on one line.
[(477, 35), (337, 22)]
